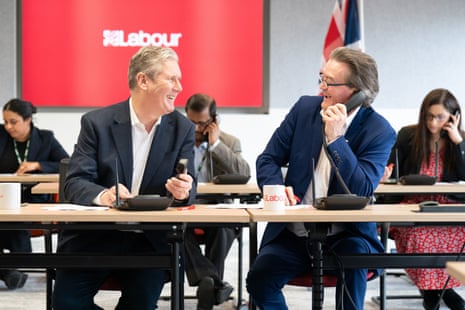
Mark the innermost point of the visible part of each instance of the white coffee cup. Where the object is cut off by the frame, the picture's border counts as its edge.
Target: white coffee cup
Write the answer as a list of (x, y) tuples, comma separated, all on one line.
[(10, 196), (274, 197)]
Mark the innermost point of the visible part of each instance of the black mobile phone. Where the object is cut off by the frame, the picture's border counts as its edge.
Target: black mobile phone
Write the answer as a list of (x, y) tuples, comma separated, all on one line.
[(356, 100), (444, 132), (181, 166), (213, 120)]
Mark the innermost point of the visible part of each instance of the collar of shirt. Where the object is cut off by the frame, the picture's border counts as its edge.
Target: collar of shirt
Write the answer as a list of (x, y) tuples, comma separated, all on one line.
[(135, 120)]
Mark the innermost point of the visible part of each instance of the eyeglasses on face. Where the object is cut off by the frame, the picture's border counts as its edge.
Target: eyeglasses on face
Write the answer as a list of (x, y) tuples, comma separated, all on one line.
[(440, 117), (203, 124), (322, 81)]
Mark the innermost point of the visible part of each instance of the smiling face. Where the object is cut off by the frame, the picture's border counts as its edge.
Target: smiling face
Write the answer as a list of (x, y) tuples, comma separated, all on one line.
[(165, 87), (335, 73)]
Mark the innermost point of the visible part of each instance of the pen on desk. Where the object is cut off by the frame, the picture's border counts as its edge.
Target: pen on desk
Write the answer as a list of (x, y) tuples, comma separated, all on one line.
[(191, 207)]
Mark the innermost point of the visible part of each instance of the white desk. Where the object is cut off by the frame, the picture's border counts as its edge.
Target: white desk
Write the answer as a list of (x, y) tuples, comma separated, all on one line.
[(394, 213), (172, 220), (457, 270), (28, 178), (438, 188)]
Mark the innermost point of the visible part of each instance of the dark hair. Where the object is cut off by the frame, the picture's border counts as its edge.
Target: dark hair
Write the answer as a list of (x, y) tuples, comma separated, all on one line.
[(421, 139), (24, 108), (199, 102)]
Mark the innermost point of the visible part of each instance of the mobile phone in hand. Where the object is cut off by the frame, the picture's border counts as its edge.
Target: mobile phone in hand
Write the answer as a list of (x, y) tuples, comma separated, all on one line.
[(181, 166)]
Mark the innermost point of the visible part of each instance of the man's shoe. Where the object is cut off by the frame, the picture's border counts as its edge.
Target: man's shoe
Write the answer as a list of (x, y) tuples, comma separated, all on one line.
[(223, 292), (14, 279), (206, 294)]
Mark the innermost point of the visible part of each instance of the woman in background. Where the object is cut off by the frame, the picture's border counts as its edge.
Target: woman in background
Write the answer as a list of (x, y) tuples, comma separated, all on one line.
[(434, 146), (24, 149)]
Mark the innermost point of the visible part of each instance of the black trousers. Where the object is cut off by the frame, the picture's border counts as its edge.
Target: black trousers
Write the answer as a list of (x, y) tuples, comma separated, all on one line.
[(218, 241)]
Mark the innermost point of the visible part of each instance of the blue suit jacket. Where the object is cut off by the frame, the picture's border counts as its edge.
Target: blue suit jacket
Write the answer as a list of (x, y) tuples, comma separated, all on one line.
[(105, 136), (360, 156)]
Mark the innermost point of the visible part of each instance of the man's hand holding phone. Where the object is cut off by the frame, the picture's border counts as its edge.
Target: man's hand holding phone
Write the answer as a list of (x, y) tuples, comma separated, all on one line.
[(180, 185), (212, 132)]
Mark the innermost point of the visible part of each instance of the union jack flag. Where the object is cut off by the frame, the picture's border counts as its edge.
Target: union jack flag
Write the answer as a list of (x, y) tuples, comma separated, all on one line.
[(344, 28)]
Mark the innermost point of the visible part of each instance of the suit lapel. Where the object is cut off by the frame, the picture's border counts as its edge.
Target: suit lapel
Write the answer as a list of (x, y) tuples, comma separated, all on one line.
[(160, 145), (34, 144), (122, 139)]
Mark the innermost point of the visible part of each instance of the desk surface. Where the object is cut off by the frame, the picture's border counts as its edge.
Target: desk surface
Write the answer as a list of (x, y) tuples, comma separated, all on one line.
[(201, 214), (45, 188), (438, 188), (373, 213), (457, 270), (29, 178), (202, 188)]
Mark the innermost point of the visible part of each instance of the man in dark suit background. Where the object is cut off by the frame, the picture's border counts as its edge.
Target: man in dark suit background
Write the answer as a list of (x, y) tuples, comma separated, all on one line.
[(145, 137), (216, 152), (359, 143)]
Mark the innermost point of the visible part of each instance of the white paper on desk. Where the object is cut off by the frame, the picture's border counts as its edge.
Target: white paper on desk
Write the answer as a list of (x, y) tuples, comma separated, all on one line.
[(71, 207), (449, 183), (235, 206)]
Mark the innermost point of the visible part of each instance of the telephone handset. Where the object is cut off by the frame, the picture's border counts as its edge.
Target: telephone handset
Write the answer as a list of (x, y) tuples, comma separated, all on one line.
[(356, 100), (213, 120), (444, 132)]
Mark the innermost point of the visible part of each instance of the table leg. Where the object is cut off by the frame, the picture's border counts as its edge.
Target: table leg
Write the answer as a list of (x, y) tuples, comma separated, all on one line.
[(317, 234), (253, 250), (176, 236)]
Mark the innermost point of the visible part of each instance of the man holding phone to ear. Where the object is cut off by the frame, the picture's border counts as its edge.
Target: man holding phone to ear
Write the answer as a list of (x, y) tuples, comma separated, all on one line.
[(359, 142), (216, 152)]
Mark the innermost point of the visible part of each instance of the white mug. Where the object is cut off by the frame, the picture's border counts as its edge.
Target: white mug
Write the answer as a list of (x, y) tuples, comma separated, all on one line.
[(274, 197), (10, 196)]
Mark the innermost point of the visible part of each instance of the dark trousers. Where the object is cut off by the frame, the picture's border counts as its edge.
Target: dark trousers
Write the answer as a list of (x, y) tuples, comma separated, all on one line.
[(288, 256), (140, 288), (17, 241), (218, 241)]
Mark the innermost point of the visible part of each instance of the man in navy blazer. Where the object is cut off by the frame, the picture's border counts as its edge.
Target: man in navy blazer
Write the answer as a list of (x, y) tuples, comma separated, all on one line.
[(358, 142), (144, 138)]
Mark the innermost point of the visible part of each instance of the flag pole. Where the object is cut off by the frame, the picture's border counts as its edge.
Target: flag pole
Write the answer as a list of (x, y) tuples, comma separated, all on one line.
[(362, 24)]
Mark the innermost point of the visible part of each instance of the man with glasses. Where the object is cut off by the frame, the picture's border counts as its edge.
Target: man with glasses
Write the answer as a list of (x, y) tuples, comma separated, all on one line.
[(216, 152), (358, 142)]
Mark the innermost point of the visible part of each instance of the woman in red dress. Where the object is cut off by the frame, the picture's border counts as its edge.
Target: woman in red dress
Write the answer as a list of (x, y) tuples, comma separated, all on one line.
[(435, 147)]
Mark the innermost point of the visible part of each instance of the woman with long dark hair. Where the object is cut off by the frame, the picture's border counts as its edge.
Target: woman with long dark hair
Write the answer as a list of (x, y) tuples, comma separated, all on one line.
[(435, 147)]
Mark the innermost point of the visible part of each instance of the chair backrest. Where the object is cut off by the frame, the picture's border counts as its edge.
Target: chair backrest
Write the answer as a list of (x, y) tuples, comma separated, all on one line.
[(63, 170)]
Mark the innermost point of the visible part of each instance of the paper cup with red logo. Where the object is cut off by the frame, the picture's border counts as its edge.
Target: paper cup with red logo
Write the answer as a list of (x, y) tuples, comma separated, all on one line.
[(274, 197), (10, 196)]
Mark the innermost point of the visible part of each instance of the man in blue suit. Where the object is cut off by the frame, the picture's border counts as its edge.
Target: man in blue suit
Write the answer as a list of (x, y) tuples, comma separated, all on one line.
[(359, 142), (143, 137)]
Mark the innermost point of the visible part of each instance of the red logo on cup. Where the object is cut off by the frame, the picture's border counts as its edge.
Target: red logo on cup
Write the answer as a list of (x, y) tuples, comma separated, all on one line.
[(274, 198)]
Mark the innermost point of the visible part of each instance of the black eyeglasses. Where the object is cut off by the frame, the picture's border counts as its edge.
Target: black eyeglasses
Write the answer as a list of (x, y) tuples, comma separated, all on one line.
[(325, 84), (203, 124)]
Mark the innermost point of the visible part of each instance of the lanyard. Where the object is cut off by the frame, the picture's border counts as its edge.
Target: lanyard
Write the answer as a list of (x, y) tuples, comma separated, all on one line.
[(26, 152)]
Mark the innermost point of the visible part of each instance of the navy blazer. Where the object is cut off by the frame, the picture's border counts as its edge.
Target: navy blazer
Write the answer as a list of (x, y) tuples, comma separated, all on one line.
[(360, 156), (106, 138), (44, 148)]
